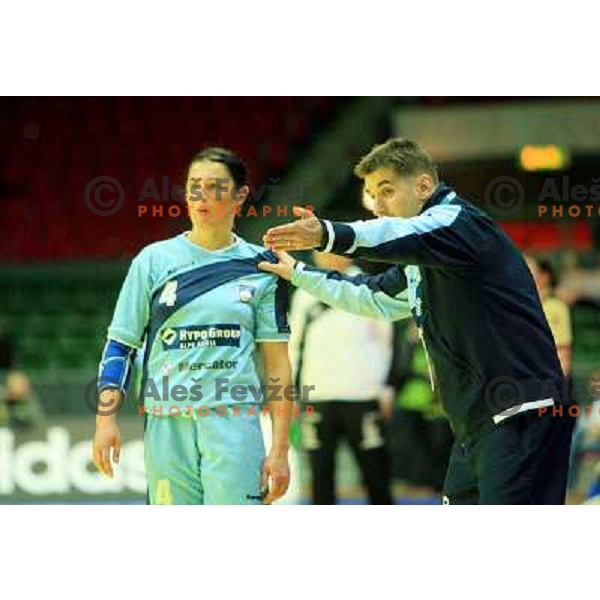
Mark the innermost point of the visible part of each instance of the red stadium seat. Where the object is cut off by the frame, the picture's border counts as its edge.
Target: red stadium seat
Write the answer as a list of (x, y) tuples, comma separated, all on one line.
[(53, 147)]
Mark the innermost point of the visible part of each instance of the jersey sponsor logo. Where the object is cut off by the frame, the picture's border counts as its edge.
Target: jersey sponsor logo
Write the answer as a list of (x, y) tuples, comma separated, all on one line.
[(181, 267), (213, 364), (200, 336), (168, 336)]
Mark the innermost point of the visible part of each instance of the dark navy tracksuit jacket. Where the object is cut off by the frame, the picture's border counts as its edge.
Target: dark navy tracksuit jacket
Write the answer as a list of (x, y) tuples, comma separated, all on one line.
[(471, 294)]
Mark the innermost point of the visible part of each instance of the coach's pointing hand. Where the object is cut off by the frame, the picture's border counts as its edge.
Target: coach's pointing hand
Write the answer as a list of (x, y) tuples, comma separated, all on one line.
[(304, 234), (283, 268)]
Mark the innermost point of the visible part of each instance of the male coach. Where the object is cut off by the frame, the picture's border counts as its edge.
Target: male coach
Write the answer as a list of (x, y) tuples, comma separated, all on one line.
[(492, 356)]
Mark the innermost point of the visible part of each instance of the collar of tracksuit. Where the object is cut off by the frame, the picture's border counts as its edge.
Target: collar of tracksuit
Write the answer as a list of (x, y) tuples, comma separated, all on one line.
[(442, 190)]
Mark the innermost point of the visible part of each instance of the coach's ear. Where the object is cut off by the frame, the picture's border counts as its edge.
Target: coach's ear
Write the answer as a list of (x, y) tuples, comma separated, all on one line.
[(425, 186)]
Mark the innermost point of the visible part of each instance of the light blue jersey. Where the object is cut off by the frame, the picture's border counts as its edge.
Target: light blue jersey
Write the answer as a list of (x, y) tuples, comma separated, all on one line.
[(197, 315)]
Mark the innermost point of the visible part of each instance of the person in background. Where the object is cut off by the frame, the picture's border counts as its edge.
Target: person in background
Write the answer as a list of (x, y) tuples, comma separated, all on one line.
[(555, 309), (591, 451), (420, 435), (559, 318), (19, 407), (584, 475), (346, 358)]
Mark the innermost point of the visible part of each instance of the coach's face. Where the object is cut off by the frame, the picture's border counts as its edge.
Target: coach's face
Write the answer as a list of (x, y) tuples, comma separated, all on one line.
[(396, 195)]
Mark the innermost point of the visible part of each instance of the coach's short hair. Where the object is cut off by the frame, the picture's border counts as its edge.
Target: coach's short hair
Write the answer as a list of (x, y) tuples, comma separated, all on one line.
[(404, 156)]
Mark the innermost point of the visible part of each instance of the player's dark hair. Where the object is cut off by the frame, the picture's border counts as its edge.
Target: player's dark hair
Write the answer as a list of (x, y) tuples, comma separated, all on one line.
[(235, 165), (404, 156), (545, 266)]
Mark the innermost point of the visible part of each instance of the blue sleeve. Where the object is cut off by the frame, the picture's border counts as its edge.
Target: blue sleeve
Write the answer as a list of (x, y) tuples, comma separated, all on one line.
[(440, 236), (381, 296), (272, 312), (115, 366), (132, 311)]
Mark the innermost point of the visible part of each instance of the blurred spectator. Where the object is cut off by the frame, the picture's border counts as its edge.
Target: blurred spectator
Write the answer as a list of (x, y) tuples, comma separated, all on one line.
[(578, 280), (556, 310), (346, 358), (19, 407), (421, 438), (584, 476)]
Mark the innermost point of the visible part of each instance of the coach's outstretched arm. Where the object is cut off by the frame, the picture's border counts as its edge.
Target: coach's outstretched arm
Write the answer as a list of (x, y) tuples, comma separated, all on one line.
[(378, 296), (443, 235)]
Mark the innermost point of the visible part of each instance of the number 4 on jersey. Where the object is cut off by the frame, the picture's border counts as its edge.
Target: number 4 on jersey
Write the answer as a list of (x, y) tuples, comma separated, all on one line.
[(169, 294)]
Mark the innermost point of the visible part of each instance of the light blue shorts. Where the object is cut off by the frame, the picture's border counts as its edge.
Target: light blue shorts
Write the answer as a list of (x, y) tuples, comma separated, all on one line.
[(204, 460)]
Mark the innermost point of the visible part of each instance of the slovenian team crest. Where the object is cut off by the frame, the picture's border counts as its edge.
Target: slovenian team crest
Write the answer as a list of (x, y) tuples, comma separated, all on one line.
[(246, 292)]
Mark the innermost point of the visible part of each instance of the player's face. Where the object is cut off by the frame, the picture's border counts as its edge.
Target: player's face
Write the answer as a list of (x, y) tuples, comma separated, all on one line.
[(211, 193), (397, 195)]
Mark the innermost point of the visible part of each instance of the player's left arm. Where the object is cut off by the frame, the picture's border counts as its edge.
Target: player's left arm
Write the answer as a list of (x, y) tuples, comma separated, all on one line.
[(272, 334), (280, 399)]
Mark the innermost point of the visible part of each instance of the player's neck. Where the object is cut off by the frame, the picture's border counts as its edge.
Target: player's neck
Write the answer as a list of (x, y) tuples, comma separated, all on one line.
[(211, 239)]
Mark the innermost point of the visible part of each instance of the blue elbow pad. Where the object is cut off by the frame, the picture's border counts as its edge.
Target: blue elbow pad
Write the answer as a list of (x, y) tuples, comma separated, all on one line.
[(115, 366)]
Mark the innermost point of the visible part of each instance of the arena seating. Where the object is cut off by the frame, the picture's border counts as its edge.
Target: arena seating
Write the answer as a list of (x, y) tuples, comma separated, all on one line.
[(51, 149)]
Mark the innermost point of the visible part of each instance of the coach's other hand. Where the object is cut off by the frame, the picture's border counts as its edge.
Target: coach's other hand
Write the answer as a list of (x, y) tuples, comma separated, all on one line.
[(304, 234), (283, 268)]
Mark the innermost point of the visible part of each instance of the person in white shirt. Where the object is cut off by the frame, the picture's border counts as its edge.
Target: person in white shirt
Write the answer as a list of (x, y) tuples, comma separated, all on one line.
[(347, 359)]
